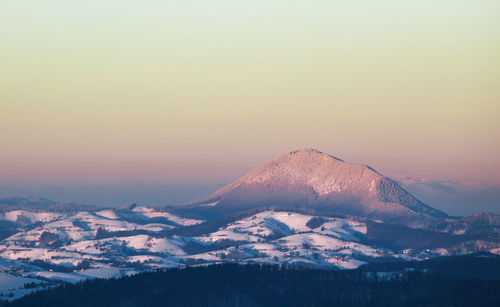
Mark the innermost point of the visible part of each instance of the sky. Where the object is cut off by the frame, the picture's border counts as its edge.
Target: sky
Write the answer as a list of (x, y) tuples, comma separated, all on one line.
[(154, 92)]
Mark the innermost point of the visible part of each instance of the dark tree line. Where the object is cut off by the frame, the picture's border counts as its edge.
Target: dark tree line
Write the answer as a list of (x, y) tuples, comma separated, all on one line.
[(255, 285)]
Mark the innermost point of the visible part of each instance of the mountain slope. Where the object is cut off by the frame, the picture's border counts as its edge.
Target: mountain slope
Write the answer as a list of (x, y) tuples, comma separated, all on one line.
[(316, 181)]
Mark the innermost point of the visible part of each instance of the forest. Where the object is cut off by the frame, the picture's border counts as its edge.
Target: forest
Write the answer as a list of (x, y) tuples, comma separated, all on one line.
[(273, 285)]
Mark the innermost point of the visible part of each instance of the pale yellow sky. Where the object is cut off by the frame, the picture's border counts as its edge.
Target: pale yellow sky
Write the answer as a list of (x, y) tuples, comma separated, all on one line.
[(131, 91)]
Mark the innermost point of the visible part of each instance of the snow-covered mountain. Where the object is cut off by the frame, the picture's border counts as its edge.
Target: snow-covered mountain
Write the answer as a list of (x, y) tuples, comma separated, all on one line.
[(320, 183), (304, 208)]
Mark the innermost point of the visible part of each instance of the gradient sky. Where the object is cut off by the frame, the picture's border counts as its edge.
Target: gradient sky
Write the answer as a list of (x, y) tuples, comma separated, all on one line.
[(196, 91)]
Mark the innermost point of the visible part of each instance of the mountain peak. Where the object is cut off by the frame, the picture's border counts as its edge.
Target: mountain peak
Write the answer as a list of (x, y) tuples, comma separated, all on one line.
[(313, 152), (310, 179), (310, 167)]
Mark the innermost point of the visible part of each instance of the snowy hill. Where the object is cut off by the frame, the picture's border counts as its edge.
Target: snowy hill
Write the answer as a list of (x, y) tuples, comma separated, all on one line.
[(52, 247)]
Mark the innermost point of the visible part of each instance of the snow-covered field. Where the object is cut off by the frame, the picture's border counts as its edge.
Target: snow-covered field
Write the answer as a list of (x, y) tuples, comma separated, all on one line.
[(50, 248)]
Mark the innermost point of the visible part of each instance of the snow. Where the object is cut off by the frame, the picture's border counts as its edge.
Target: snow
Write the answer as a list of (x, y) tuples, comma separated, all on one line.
[(55, 256), (155, 262), (151, 213), (213, 204), (155, 227), (270, 222), (314, 178), (101, 272), (163, 245), (495, 251), (110, 214), (209, 256), (440, 251), (67, 277), (227, 235), (31, 216), (88, 247), (322, 242), (270, 236), (337, 240), (294, 221), (9, 282), (347, 264), (262, 224), (155, 245), (323, 173), (138, 243)]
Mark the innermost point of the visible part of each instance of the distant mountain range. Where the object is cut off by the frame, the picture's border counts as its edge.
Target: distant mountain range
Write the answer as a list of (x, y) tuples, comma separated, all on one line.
[(32, 202), (304, 208), (455, 197)]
